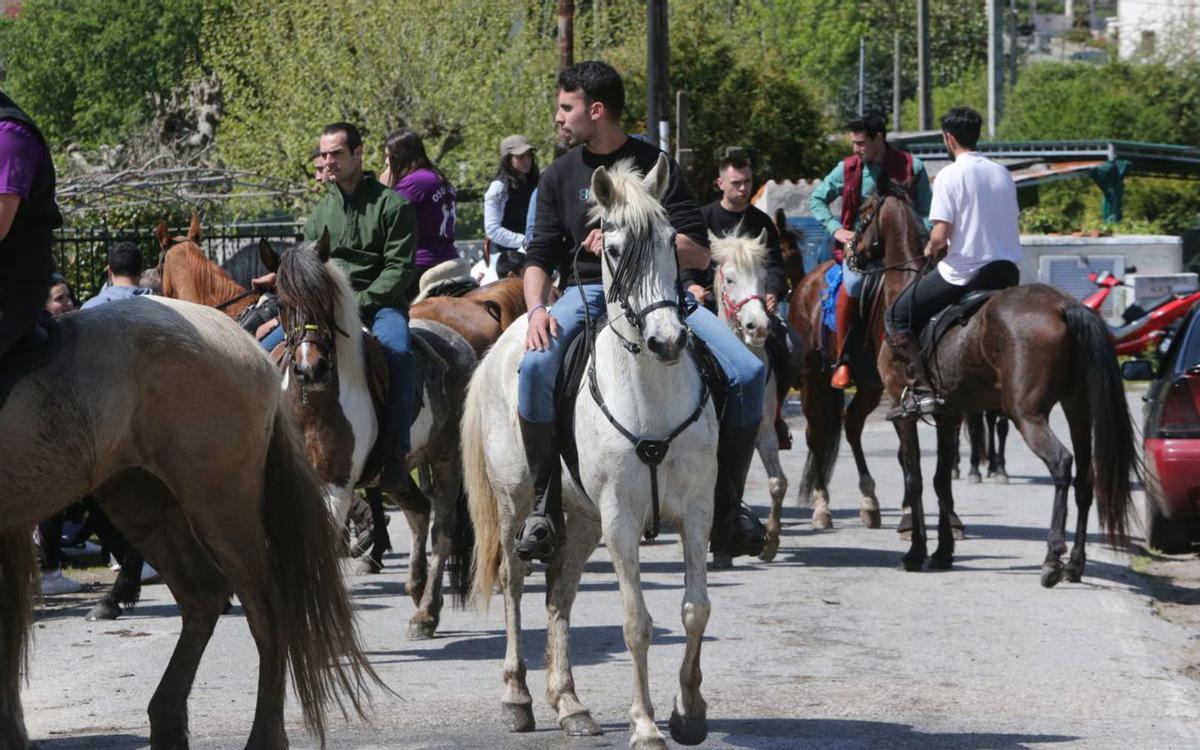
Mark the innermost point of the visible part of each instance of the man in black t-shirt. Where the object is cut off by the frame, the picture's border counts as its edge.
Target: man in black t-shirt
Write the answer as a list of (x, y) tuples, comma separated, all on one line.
[(591, 98)]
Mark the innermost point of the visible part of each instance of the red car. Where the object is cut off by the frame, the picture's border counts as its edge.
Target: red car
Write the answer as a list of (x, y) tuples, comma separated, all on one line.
[(1172, 440)]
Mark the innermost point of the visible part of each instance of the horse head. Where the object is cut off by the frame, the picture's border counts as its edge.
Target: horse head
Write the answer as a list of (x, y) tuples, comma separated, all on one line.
[(315, 304), (638, 259), (789, 248), (888, 231), (741, 284)]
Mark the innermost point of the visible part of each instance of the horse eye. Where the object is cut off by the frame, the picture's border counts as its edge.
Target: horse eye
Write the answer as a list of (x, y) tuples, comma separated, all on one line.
[(614, 252)]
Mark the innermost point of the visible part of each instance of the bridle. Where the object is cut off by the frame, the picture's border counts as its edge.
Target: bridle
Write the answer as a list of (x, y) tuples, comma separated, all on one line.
[(636, 319), (730, 307), (299, 333)]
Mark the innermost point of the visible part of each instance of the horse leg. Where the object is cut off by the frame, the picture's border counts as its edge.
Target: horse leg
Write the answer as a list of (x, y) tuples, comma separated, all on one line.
[(864, 402), (975, 433), (621, 537), (418, 565), (822, 433), (910, 460), (997, 426), (18, 587), (768, 451), (689, 721), (562, 584), (126, 589), (517, 706), (372, 562), (948, 431), (445, 488), (1081, 441), (1039, 438)]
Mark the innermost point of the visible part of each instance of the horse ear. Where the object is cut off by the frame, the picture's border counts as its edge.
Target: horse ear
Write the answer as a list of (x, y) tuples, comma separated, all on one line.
[(656, 180), (781, 220), (194, 230), (603, 190), (761, 239), (322, 247), (268, 256), (712, 238), (163, 234)]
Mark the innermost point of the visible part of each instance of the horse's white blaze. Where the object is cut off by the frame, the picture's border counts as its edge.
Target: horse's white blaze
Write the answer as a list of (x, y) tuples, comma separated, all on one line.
[(354, 394)]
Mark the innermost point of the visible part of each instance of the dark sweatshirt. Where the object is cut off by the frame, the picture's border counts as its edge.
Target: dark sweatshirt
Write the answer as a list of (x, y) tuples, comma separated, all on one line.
[(564, 189)]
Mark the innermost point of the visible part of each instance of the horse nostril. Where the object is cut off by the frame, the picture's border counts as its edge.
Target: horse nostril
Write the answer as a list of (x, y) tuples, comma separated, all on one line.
[(681, 341), (751, 326)]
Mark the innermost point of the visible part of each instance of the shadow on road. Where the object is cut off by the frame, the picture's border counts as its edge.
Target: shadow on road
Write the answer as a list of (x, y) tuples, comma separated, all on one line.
[(832, 733), (94, 741)]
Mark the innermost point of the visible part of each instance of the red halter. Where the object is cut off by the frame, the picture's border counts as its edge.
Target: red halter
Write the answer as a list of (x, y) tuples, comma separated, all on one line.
[(728, 305)]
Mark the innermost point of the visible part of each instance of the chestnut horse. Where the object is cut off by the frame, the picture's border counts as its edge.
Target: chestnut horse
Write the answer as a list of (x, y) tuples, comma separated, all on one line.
[(187, 273), (1025, 350), (479, 316), (173, 420)]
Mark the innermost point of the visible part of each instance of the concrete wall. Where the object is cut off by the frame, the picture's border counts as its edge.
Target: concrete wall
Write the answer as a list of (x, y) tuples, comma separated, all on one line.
[(1152, 254), (1164, 19)]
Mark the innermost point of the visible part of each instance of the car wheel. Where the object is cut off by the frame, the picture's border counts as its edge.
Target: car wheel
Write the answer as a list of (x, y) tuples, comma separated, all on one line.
[(1166, 535)]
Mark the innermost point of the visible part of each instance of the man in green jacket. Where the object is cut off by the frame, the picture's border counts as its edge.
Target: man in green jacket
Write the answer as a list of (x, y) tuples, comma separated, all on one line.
[(372, 233)]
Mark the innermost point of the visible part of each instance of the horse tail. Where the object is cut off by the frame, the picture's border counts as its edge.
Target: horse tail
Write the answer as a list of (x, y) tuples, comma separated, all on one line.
[(462, 549), (484, 507), (19, 576), (1114, 454), (316, 619), (823, 407)]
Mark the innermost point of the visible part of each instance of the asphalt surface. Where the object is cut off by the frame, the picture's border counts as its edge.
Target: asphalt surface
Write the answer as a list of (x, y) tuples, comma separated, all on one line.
[(830, 646)]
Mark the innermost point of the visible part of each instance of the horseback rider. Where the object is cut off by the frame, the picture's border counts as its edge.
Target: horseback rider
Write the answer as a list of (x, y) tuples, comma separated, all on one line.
[(975, 230), (733, 212), (591, 97), (372, 234), (854, 179), (28, 217)]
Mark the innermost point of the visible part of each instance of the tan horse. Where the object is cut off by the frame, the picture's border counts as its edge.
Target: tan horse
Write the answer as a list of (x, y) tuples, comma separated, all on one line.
[(220, 500), (186, 273)]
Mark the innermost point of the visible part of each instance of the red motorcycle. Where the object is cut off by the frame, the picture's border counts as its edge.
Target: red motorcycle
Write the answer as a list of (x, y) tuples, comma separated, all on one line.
[(1144, 328)]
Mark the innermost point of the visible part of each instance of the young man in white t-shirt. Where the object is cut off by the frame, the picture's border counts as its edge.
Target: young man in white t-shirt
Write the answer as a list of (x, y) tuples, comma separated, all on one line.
[(975, 224)]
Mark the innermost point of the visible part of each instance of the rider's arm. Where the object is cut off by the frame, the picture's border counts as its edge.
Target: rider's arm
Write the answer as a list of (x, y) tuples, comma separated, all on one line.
[(829, 190), (493, 215), (691, 231), (8, 210), (939, 239), (691, 253), (547, 246), (398, 220)]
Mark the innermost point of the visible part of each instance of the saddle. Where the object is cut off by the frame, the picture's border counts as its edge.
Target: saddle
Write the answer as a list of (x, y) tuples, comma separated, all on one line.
[(953, 316), (574, 368), (28, 354)]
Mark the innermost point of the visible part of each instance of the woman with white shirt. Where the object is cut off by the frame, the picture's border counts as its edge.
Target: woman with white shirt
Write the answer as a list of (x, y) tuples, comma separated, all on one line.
[(506, 202)]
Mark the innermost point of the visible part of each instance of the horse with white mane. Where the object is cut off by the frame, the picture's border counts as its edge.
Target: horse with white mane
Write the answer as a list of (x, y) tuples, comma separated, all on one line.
[(656, 395), (740, 286)]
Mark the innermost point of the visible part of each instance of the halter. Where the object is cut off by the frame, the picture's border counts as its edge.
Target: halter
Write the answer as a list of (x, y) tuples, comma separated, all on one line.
[(635, 319), (730, 307), (309, 333)]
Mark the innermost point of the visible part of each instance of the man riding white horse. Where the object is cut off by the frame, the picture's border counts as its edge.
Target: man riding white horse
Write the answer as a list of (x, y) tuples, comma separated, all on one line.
[(591, 97)]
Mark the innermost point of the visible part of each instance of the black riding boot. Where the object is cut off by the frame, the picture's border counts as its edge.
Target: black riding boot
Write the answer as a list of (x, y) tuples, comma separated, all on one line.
[(919, 398), (538, 537), (736, 530)]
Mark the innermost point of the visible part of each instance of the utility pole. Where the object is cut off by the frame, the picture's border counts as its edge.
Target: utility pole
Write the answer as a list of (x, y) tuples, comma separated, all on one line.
[(1012, 45), (924, 80), (566, 33), (897, 82), (995, 73), (658, 107), (862, 71), (683, 150)]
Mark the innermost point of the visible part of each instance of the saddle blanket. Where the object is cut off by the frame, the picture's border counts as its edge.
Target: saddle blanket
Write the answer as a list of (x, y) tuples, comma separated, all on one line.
[(833, 282)]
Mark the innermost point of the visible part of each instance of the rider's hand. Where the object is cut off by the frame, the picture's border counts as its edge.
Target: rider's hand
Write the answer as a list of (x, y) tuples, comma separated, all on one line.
[(844, 236), (772, 303), (594, 243), (542, 328), (266, 281), (699, 292), (261, 332), (929, 251)]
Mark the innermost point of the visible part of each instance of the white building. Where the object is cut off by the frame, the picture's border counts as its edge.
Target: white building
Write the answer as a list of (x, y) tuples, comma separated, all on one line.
[(1169, 28)]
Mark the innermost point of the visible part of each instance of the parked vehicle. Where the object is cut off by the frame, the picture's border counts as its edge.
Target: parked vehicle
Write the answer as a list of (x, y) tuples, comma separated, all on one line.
[(1145, 327), (1171, 440)]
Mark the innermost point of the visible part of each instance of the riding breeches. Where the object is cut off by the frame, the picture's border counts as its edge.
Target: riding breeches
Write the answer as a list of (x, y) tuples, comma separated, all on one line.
[(932, 294), (539, 369), (390, 328), (22, 306), (852, 282)]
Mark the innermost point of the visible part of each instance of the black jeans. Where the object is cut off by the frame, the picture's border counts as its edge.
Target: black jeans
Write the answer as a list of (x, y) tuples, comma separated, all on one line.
[(932, 294)]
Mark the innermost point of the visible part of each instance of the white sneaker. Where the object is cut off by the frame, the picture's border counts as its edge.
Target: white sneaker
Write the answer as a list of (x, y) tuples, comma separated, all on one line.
[(54, 583)]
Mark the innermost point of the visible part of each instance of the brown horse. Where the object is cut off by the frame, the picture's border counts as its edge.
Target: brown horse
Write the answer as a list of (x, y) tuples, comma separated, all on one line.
[(1028, 348), (479, 316), (186, 273), (220, 500), (789, 246)]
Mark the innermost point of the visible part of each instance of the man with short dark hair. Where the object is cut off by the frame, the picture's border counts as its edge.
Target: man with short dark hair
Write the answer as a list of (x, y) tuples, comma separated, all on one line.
[(854, 179), (975, 230), (591, 97), (28, 217), (124, 270)]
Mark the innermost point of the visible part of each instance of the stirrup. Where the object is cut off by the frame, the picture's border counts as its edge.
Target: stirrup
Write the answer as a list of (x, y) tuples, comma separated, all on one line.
[(740, 533), (841, 377), (916, 403), (537, 539)]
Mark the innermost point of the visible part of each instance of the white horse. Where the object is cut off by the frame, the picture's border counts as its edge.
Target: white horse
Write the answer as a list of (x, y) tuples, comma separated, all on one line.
[(651, 394), (740, 287)]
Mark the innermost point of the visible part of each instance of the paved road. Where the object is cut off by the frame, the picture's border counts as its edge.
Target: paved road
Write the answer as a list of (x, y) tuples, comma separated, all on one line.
[(831, 646)]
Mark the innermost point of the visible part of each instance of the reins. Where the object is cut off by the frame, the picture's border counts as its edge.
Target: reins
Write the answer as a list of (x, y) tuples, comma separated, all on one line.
[(238, 298)]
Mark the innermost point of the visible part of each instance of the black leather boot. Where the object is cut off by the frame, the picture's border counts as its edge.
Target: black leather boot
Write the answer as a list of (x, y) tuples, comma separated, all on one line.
[(736, 530), (394, 477), (537, 539), (919, 398)]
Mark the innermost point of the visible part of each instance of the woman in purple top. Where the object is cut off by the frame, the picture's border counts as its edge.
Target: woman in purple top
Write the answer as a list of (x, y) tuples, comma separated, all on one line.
[(412, 175)]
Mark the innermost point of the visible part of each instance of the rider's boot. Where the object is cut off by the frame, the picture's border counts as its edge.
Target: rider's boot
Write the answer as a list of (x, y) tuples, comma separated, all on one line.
[(919, 398), (394, 477), (736, 530), (537, 539), (845, 313)]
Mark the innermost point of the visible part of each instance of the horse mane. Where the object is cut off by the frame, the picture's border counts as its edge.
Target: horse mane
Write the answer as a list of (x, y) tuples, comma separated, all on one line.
[(905, 224), (636, 211), (211, 284), (318, 290), (746, 253)]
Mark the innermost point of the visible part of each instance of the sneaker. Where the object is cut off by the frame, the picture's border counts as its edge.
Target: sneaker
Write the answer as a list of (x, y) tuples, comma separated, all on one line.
[(55, 583)]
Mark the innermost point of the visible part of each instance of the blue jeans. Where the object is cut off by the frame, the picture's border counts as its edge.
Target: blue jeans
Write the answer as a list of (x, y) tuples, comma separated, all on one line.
[(852, 282), (539, 370), (391, 329)]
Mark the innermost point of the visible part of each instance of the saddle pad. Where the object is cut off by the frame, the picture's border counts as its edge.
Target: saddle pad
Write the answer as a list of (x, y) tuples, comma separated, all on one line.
[(955, 315), (30, 352), (833, 282)]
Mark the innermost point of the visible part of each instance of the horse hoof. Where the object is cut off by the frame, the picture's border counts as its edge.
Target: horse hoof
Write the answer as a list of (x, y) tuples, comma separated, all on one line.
[(870, 518), (974, 478), (1052, 573), (421, 630), (1001, 477), (721, 561), (913, 563), (580, 725), (518, 716), (648, 743), (103, 611), (955, 473), (1074, 571), (959, 533), (769, 552), (688, 730), (940, 562), (368, 566), (822, 519)]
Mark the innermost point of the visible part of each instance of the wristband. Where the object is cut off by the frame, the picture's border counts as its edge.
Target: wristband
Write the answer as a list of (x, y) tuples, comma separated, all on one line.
[(539, 307)]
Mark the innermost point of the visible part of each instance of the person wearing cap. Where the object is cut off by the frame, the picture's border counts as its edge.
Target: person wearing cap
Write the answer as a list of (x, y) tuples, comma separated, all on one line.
[(506, 202)]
